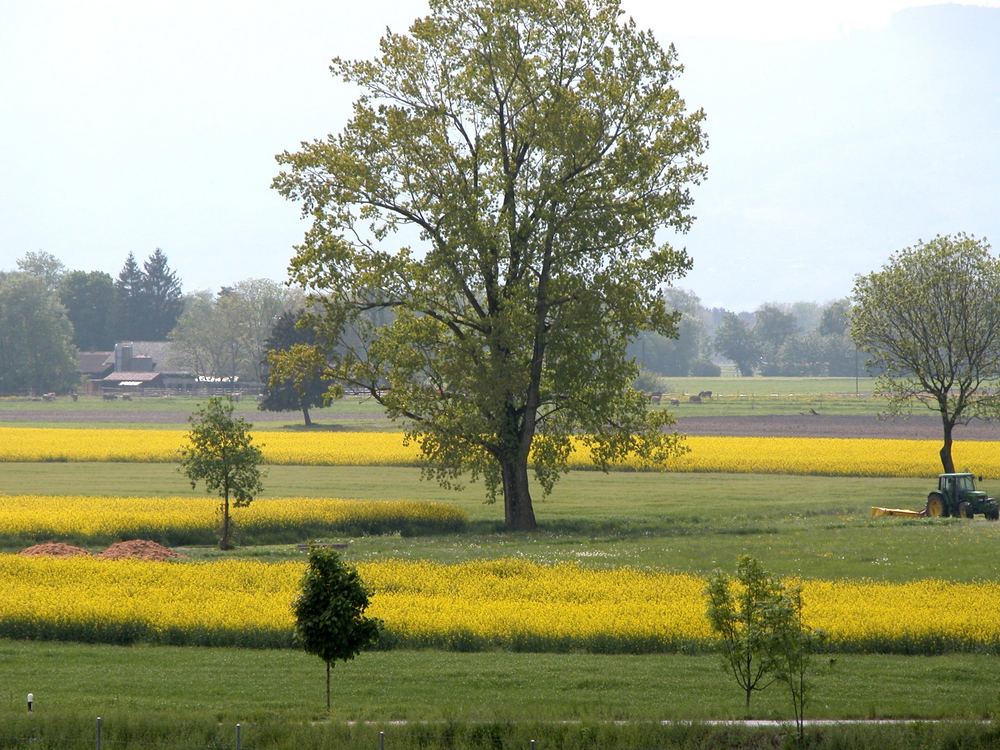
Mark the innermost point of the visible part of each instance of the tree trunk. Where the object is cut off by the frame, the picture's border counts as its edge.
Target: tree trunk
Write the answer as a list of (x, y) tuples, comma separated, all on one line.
[(946, 461), (306, 417), (224, 542), (328, 687), (518, 512), (748, 688)]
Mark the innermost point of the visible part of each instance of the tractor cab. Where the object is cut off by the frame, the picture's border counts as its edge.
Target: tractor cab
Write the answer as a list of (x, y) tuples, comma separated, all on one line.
[(957, 496), (959, 485)]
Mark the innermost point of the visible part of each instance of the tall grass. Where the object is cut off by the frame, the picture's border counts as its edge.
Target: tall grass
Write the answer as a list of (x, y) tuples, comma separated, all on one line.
[(184, 732)]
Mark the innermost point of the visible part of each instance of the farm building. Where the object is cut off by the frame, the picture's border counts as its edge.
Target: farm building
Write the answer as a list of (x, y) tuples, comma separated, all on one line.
[(134, 367), (147, 368)]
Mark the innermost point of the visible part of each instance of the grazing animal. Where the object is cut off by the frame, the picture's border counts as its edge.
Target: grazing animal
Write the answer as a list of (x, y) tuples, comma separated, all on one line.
[(695, 399)]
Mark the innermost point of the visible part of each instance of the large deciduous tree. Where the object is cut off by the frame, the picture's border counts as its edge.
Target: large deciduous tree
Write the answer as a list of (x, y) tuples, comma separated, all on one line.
[(226, 335), (296, 377), (735, 340), (929, 320), (259, 303), (200, 337), (772, 328), (499, 189), (44, 266), (36, 338)]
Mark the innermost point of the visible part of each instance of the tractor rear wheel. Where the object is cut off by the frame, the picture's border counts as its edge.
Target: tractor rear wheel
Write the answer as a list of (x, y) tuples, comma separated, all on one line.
[(936, 507), (965, 510)]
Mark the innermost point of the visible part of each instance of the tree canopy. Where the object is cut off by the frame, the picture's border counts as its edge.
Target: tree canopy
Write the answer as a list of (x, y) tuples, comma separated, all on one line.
[(226, 334), (128, 301), (42, 265), (734, 339), (929, 321), (89, 299), (772, 328), (162, 301), (296, 368), (499, 189), (149, 299), (36, 338)]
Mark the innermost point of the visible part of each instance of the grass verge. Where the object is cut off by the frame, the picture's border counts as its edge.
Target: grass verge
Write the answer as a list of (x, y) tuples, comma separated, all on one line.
[(141, 733), (233, 685)]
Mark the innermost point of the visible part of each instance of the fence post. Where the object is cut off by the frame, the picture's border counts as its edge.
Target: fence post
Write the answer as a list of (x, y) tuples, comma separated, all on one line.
[(532, 745), (238, 737), (98, 733), (381, 741)]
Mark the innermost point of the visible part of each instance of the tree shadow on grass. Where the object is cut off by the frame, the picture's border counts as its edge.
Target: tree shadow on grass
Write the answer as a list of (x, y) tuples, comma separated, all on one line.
[(605, 529), (317, 427)]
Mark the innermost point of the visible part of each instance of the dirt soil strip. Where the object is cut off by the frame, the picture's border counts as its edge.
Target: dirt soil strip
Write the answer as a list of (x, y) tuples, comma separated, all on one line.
[(914, 428)]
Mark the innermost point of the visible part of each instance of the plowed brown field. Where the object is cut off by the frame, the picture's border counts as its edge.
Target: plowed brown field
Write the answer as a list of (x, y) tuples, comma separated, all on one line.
[(915, 428)]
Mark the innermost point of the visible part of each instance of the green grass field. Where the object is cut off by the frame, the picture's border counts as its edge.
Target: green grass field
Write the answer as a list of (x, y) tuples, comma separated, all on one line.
[(815, 527), (805, 526), (768, 387), (731, 397), (244, 684), (172, 412)]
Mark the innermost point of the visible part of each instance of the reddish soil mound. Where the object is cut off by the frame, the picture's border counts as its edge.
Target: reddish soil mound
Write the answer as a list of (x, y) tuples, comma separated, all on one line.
[(141, 549), (55, 549)]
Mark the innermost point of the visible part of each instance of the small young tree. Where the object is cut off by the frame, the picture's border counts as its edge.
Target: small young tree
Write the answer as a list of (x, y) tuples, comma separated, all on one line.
[(329, 611), (792, 647), (745, 618), (221, 453)]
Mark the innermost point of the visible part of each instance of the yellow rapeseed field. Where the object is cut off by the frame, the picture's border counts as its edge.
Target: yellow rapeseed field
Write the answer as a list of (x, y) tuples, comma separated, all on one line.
[(83, 518), (481, 604), (71, 444), (829, 456)]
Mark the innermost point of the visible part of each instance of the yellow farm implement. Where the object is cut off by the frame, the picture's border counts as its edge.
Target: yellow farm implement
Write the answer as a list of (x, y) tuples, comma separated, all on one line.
[(876, 511)]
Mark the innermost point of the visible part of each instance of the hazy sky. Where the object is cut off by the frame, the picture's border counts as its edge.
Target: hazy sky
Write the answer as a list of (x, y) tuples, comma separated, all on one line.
[(839, 132)]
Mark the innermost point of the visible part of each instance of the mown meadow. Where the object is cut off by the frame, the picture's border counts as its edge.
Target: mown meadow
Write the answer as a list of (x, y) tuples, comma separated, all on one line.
[(595, 617)]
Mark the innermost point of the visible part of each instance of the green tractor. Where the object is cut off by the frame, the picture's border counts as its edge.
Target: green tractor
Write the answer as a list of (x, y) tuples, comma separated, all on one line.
[(956, 495)]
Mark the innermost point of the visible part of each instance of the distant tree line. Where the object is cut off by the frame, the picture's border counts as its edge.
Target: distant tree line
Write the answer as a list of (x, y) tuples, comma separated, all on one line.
[(48, 313), (141, 304), (226, 334), (799, 339)]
